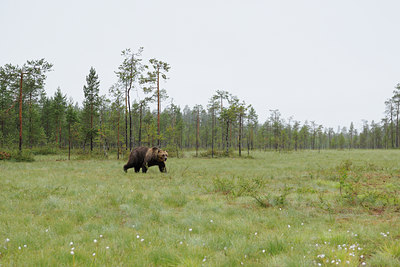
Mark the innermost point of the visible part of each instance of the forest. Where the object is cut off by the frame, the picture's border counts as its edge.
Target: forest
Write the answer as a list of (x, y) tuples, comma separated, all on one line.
[(120, 120)]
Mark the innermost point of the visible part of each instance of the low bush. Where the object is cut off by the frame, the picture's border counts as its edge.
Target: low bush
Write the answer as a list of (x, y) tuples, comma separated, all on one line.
[(24, 156), (4, 155), (44, 151), (217, 154), (174, 152)]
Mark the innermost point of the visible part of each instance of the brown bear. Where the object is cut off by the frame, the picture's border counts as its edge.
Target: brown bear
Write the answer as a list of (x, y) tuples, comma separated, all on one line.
[(145, 157)]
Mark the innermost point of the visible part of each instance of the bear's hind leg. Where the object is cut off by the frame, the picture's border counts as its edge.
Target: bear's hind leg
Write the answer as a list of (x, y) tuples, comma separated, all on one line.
[(128, 166)]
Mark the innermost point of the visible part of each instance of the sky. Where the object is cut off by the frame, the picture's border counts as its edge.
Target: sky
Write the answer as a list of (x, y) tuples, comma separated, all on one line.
[(332, 62)]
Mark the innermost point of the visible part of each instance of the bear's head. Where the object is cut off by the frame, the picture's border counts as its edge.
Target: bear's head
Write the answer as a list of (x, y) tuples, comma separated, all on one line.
[(162, 155)]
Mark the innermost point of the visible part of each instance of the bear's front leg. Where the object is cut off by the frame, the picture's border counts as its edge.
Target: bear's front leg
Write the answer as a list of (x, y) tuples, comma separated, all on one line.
[(162, 167)]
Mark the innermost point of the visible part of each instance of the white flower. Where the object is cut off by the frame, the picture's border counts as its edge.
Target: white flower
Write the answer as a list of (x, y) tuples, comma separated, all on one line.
[(94, 254), (141, 240), (190, 229), (288, 226), (25, 246), (72, 253), (72, 248), (7, 240), (363, 263), (107, 247), (95, 241), (255, 233), (19, 248), (47, 230), (302, 223), (263, 250), (329, 230), (101, 236), (211, 221), (71, 243), (137, 236)]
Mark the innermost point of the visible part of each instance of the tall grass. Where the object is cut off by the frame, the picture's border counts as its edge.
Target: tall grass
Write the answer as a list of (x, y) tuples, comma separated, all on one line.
[(203, 211)]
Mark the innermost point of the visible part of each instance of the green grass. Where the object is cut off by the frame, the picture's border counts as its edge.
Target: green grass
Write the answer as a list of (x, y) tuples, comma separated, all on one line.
[(278, 209)]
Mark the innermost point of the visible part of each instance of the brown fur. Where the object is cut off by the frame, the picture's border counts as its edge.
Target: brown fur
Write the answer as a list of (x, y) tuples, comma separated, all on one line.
[(145, 157)]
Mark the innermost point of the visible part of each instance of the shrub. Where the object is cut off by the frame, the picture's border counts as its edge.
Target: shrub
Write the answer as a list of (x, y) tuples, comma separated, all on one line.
[(4, 155), (24, 156), (174, 152), (217, 154), (44, 151)]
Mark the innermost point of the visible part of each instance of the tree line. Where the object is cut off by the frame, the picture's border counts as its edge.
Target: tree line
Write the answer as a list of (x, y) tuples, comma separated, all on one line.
[(121, 121)]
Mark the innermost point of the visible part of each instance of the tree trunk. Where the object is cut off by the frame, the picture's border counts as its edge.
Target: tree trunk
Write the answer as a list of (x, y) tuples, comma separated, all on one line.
[(140, 125), (212, 133), (391, 125), (91, 127), (130, 122), (30, 120), (158, 107), (222, 129), (126, 118), (240, 135), (69, 142), (197, 132), (227, 138), (397, 125), (118, 135), (20, 113)]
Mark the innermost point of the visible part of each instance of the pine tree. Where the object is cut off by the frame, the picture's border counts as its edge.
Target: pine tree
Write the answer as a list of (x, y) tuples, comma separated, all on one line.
[(152, 86), (58, 107), (90, 105), (71, 119), (129, 72), (117, 107)]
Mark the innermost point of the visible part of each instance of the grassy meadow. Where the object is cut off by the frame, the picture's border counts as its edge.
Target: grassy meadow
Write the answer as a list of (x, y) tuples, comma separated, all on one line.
[(274, 209)]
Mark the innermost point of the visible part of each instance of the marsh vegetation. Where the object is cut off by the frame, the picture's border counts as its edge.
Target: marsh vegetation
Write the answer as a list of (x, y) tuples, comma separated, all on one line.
[(275, 209)]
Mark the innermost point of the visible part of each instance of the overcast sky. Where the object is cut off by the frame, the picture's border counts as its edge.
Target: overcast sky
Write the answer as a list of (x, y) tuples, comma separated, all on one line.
[(331, 62)]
